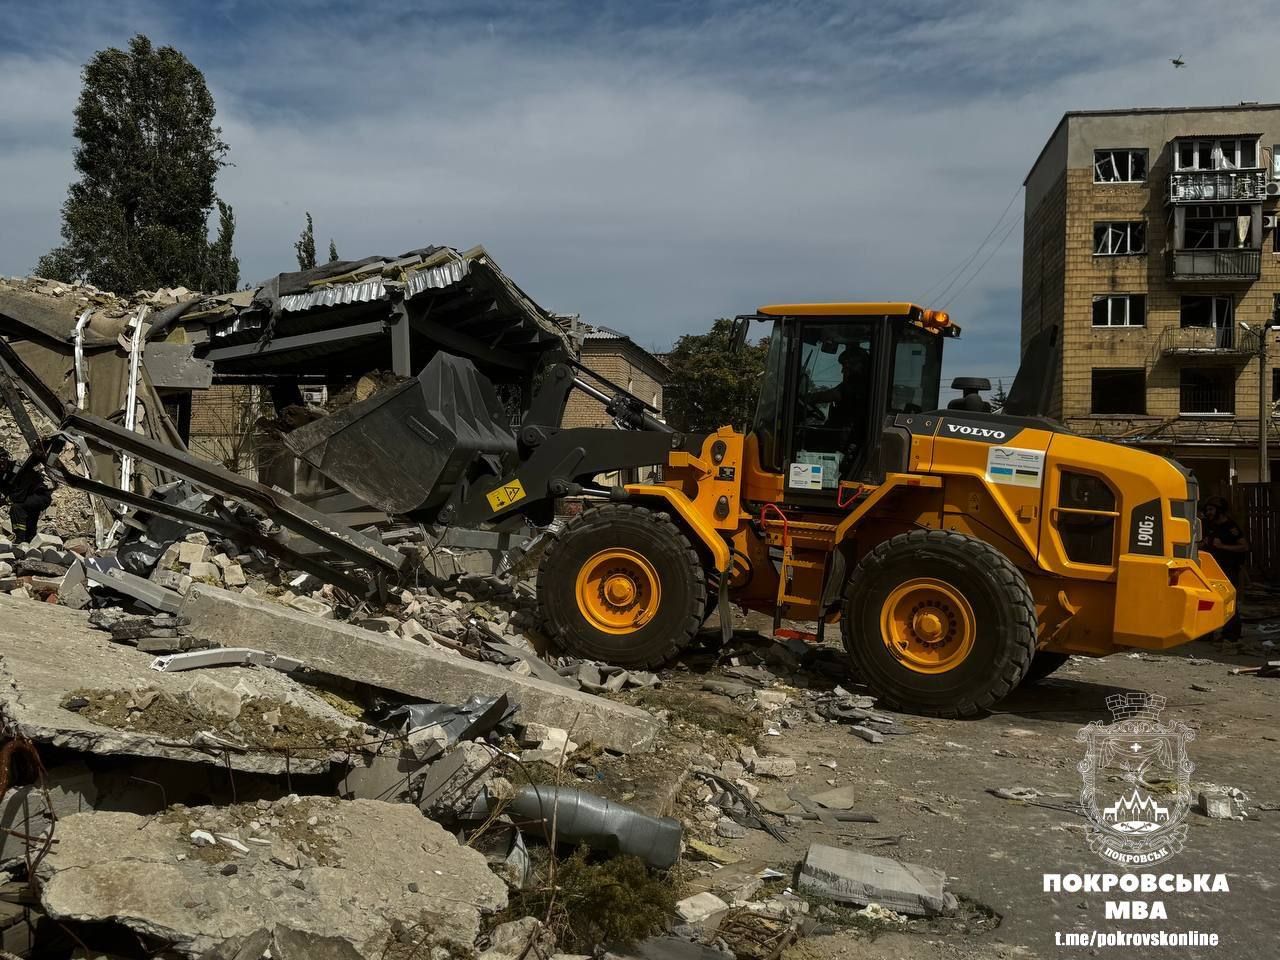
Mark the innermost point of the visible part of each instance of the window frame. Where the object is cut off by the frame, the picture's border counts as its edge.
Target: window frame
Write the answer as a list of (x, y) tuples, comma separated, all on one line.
[(1093, 392), (1128, 311), (1107, 227), (1233, 382), (1195, 144), (1131, 151)]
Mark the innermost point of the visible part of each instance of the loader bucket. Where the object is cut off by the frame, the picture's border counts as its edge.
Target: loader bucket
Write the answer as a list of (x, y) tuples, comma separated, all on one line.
[(403, 449)]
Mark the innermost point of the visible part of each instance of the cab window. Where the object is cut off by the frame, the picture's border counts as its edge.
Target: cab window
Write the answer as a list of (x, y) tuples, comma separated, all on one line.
[(917, 370), (833, 400)]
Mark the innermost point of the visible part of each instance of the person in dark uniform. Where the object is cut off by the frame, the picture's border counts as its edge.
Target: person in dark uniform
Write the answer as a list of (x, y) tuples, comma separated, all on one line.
[(848, 398), (27, 493), (1225, 541)]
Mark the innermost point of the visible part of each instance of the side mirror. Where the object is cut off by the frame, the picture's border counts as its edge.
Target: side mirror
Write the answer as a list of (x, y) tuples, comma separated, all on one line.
[(738, 333)]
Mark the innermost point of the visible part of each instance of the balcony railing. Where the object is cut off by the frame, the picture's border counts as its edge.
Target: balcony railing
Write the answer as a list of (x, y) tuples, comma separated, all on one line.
[(1201, 186), (1225, 342), (1236, 264), (1206, 401)]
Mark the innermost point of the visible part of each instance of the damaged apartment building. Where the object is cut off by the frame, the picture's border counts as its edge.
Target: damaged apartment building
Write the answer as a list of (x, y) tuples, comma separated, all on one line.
[(1151, 241)]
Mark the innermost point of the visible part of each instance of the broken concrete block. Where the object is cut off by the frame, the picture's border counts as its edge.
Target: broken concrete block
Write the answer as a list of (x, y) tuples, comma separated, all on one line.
[(169, 557), (509, 940), (204, 570), (197, 536), (1216, 806), (380, 624), (774, 766), (771, 699), (867, 734), (233, 575), (378, 778), (732, 770), (312, 607), (189, 553), (214, 699), (124, 868), (849, 877), (42, 540), (700, 907), (452, 785), (411, 668), (427, 743), (171, 580), (221, 560)]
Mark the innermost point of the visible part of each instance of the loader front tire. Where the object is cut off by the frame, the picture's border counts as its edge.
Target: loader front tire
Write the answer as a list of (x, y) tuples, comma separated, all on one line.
[(1043, 664), (622, 584), (939, 623)]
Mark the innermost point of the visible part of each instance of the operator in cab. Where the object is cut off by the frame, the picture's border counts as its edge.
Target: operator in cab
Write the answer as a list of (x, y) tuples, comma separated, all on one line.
[(849, 397)]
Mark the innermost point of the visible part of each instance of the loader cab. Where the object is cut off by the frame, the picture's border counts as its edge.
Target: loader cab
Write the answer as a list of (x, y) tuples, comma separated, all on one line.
[(834, 371)]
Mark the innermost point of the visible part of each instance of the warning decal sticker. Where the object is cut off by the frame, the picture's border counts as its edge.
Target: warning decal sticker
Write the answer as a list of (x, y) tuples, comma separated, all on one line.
[(504, 496), (1015, 467)]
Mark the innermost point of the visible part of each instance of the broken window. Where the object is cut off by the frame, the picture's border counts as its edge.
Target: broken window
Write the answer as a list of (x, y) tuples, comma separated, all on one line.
[(1275, 386), (1119, 166), (1218, 226), (1120, 310), (1209, 390), (1207, 311), (1116, 238), (1222, 153), (1119, 391)]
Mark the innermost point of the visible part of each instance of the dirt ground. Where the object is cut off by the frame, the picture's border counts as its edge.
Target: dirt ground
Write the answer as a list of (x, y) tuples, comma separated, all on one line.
[(930, 790)]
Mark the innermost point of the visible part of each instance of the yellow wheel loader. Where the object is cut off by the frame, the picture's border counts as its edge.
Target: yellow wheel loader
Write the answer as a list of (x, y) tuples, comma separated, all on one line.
[(960, 552)]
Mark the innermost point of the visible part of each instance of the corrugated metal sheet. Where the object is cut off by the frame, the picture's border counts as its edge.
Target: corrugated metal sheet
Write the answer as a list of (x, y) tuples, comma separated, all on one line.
[(336, 295), (436, 278)]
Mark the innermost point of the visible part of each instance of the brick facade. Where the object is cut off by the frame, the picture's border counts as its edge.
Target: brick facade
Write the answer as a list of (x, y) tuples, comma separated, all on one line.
[(1062, 275), (625, 363)]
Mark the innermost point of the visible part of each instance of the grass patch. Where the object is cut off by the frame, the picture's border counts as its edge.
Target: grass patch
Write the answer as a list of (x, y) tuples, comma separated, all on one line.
[(616, 901)]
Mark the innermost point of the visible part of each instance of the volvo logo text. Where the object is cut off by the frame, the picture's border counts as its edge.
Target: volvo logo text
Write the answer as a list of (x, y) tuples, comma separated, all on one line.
[(976, 431)]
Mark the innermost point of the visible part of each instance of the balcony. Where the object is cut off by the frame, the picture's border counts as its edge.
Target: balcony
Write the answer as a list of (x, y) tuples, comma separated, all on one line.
[(1221, 342), (1241, 263), (1221, 186)]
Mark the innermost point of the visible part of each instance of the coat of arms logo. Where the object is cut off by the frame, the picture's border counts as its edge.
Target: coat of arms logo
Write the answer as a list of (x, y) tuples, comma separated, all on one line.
[(1137, 781)]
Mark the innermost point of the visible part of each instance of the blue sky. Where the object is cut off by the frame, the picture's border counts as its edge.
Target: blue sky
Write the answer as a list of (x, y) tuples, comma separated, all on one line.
[(649, 165)]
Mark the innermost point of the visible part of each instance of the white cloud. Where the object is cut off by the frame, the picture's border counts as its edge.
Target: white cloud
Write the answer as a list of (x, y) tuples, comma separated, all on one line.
[(650, 175)]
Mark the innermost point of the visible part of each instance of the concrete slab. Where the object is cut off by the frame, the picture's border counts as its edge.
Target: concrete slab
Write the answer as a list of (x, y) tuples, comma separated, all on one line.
[(349, 869), (411, 669), (849, 877), (38, 643)]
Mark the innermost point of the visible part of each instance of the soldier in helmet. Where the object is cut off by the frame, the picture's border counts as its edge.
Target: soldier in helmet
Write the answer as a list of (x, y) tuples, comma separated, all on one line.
[(27, 492)]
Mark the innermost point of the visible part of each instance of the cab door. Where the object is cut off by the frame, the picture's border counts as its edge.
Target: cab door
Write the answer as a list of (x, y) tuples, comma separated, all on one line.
[(834, 405)]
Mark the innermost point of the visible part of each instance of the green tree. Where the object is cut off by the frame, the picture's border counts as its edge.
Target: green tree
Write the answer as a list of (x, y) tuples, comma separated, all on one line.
[(998, 397), (305, 245), (333, 251), (222, 272), (147, 158), (711, 385)]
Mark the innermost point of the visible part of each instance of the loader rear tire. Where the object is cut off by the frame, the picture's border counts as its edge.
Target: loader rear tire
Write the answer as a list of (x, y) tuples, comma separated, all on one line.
[(622, 584), (1043, 664), (939, 623)]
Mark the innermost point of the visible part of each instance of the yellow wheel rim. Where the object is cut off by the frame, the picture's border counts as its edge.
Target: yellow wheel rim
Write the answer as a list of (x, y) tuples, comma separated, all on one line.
[(618, 591), (927, 625)]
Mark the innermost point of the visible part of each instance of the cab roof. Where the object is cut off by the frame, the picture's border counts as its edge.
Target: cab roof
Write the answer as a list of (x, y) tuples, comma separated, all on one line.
[(936, 320), (840, 309)]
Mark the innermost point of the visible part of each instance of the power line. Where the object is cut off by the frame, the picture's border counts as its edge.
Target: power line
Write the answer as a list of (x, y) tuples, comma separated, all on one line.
[(994, 251), (958, 271)]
